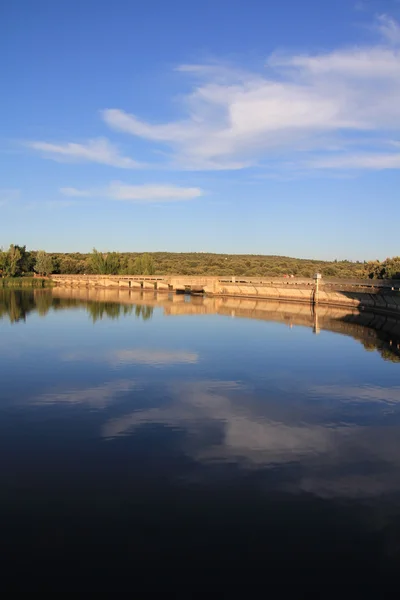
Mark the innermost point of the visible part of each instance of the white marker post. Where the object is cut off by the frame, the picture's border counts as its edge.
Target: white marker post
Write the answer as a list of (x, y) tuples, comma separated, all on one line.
[(317, 278)]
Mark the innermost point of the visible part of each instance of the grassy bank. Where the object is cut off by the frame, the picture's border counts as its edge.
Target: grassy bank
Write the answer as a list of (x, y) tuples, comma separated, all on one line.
[(25, 282)]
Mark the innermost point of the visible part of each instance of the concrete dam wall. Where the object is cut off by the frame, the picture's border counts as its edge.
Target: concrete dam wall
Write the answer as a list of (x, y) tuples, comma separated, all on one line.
[(377, 296)]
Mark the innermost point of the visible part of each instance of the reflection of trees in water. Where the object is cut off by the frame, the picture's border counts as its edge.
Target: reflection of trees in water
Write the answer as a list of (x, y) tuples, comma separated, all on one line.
[(390, 354), (388, 349), (16, 304), (43, 302), (146, 312), (368, 346), (62, 303), (99, 310), (111, 310)]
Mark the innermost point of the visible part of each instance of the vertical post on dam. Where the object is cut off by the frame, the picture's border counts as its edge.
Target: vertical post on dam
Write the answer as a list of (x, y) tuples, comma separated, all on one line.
[(317, 278)]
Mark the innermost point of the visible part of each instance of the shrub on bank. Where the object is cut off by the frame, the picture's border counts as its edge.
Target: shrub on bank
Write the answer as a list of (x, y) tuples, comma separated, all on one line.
[(18, 282)]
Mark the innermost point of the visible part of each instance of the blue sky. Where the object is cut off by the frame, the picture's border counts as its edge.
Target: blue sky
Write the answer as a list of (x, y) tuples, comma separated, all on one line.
[(240, 126)]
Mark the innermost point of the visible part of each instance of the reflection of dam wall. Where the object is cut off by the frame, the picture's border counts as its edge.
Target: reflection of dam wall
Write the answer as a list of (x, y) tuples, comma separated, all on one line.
[(380, 331), (174, 304), (356, 324), (122, 296), (348, 321), (373, 330), (281, 312)]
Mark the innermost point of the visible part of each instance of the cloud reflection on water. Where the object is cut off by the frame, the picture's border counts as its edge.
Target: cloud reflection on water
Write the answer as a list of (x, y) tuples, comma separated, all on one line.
[(387, 395), (142, 356), (96, 397), (327, 459)]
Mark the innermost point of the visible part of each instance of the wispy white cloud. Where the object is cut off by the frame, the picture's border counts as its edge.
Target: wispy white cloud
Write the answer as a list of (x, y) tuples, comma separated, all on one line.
[(152, 193), (147, 193), (389, 28), (368, 64), (377, 162), (98, 150), (303, 104)]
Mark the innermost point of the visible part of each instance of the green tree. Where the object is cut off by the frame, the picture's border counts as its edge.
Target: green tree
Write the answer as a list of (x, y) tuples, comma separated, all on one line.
[(26, 260), (3, 262), (130, 268), (44, 263), (68, 265), (12, 261), (16, 261), (144, 265), (105, 263)]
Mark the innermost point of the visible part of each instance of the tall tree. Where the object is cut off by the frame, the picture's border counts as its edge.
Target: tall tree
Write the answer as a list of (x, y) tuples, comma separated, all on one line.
[(44, 263), (3, 262), (12, 262), (104, 264), (144, 265), (130, 268), (16, 261), (26, 261)]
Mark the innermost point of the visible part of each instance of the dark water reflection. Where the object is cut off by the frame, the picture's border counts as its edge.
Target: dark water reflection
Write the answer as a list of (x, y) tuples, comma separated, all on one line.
[(200, 437)]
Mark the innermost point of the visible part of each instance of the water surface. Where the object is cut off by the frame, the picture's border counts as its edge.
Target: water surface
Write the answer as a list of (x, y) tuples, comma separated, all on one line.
[(197, 437)]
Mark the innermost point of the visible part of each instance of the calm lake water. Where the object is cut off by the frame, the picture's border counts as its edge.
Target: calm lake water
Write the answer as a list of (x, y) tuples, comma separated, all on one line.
[(194, 438)]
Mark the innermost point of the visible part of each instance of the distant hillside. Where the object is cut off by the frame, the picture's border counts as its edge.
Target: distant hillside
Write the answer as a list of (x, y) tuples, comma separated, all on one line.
[(201, 263)]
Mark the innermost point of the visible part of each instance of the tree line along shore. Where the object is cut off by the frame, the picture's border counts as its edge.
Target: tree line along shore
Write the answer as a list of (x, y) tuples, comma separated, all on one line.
[(18, 262)]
